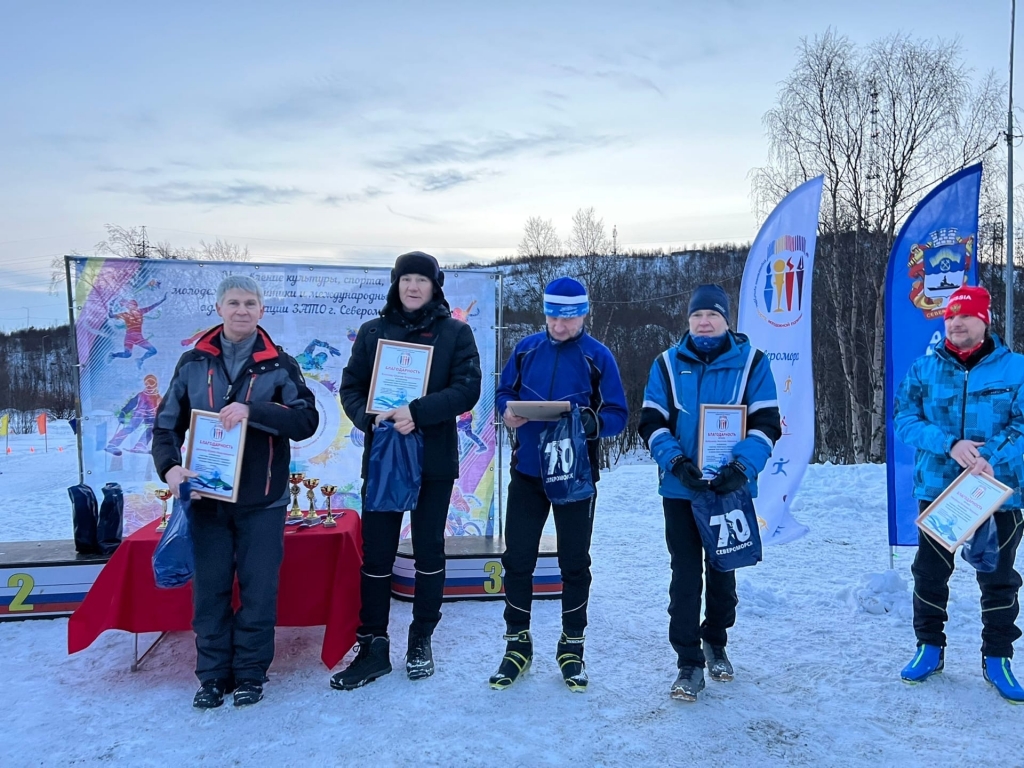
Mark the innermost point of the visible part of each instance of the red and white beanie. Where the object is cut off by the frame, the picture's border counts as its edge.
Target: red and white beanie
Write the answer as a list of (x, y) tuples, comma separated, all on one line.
[(972, 301)]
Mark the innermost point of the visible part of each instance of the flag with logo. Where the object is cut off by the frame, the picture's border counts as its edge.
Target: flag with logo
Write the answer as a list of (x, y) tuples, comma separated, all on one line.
[(775, 314), (934, 254), (4, 421)]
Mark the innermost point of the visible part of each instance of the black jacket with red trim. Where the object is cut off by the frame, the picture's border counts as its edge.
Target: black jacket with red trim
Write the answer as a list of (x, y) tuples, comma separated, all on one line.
[(281, 408)]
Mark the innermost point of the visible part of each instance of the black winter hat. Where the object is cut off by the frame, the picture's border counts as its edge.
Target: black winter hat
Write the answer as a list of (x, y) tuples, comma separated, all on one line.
[(709, 296), (418, 263)]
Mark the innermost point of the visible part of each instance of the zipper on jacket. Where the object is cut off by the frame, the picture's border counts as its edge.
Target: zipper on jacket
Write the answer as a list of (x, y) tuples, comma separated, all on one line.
[(270, 462), (209, 386), (248, 392), (554, 370), (963, 409)]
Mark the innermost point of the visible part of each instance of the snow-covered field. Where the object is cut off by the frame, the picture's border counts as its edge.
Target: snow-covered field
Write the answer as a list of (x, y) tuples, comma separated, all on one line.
[(822, 634)]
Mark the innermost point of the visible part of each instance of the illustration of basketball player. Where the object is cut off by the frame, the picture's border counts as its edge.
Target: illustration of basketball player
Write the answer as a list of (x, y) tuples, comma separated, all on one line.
[(137, 412), (132, 318)]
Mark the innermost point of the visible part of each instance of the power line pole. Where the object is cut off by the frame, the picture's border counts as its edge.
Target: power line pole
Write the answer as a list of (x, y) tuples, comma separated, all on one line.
[(1009, 276), (144, 244), (615, 240)]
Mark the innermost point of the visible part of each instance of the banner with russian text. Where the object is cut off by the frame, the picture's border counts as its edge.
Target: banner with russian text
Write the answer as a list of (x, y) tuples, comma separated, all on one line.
[(775, 314), (934, 254), (134, 318)]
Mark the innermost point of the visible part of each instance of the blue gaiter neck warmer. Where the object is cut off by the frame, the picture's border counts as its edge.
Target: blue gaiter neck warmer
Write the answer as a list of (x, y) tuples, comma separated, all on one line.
[(708, 344)]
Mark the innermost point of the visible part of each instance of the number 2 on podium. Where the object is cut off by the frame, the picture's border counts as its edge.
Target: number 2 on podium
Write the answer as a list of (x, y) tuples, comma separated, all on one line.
[(25, 584)]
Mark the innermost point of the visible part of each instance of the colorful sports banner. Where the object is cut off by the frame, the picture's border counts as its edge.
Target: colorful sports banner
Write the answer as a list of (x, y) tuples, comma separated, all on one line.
[(934, 254), (775, 314), (134, 319)]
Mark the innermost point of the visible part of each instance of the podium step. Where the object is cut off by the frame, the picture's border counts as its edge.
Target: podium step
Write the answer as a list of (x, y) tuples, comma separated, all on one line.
[(474, 571), (44, 579)]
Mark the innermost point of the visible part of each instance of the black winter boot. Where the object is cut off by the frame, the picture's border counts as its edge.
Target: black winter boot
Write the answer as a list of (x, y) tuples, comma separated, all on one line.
[(419, 659), (248, 692), (372, 661), (719, 666), (689, 682), (211, 694), (515, 662), (570, 660)]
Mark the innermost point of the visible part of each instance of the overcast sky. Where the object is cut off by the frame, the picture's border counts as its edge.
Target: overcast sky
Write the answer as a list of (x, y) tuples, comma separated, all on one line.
[(340, 132)]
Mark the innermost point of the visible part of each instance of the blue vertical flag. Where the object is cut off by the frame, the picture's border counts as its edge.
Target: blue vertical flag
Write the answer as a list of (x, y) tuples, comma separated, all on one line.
[(935, 253)]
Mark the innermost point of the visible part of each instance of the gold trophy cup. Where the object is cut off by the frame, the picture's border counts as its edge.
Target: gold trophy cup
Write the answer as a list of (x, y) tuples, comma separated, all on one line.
[(311, 483), (328, 491), (295, 478), (163, 494)]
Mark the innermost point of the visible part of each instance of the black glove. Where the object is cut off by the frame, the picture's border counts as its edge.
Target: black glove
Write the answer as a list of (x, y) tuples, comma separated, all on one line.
[(689, 475), (591, 425), (730, 478)]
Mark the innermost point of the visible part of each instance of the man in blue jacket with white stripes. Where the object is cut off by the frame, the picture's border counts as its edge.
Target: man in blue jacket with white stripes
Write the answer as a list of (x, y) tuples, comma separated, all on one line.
[(960, 406), (714, 366), (560, 363)]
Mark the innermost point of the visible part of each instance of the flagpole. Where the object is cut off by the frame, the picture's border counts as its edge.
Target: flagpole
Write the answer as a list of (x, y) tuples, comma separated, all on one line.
[(1008, 276)]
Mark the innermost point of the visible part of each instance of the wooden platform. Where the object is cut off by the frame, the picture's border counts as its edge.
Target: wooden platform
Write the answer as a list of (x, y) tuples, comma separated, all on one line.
[(474, 571), (44, 579)]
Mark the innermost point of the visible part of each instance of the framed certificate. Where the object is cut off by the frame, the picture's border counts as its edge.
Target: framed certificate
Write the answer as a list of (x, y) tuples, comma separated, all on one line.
[(400, 374), (538, 410), (721, 427), (960, 510), (215, 454)]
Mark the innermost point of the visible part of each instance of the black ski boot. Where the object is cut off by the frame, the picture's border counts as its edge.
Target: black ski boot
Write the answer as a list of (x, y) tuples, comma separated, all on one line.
[(419, 659), (515, 662), (248, 692), (570, 660), (211, 694), (689, 682), (719, 666), (372, 661)]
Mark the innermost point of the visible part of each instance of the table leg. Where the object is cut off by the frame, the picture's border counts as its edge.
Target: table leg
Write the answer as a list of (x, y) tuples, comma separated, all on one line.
[(136, 659)]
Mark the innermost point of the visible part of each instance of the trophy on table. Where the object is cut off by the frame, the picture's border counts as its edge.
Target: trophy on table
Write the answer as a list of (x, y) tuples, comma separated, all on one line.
[(295, 478), (163, 494), (328, 491), (311, 515)]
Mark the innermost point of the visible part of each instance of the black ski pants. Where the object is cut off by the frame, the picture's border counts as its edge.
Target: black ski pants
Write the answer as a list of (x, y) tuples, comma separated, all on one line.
[(528, 508), (689, 567), (932, 568), (248, 544), (381, 534)]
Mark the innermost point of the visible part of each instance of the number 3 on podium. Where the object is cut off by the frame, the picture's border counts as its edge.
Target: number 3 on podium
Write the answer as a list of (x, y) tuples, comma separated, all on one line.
[(25, 584), (492, 585)]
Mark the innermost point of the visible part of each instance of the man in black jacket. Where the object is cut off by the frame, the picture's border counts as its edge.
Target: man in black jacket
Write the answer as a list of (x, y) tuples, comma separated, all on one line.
[(235, 369), (416, 312)]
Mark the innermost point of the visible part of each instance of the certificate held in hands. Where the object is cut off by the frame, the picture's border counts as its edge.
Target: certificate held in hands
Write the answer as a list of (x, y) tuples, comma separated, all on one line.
[(538, 410), (215, 454), (721, 427), (400, 374), (960, 510)]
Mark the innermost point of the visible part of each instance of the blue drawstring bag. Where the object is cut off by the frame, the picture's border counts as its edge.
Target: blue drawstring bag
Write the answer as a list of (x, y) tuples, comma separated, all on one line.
[(396, 470), (174, 559), (982, 549), (728, 528), (565, 461)]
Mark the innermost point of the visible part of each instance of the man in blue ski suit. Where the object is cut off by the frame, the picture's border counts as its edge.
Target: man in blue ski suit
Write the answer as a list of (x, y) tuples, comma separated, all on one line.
[(714, 366), (562, 362), (960, 406)]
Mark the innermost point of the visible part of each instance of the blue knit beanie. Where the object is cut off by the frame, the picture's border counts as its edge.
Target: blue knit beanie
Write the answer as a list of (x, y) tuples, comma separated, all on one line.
[(565, 297), (711, 297)]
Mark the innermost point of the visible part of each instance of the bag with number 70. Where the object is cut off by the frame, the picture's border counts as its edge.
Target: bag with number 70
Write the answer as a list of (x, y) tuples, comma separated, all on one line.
[(728, 529), (564, 461)]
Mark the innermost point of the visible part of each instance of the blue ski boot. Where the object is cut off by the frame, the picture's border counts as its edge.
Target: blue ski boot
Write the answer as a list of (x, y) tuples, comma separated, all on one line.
[(997, 671), (928, 660)]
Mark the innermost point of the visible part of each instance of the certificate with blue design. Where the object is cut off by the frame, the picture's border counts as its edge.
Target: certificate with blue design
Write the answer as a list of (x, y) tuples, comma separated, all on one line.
[(215, 454), (961, 509), (400, 374), (721, 427)]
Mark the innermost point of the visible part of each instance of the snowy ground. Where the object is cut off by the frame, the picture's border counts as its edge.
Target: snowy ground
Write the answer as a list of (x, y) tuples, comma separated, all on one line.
[(822, 634)]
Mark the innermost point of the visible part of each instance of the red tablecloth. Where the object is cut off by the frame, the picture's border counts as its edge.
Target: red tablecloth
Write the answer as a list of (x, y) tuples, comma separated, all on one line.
[(319, 585)]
